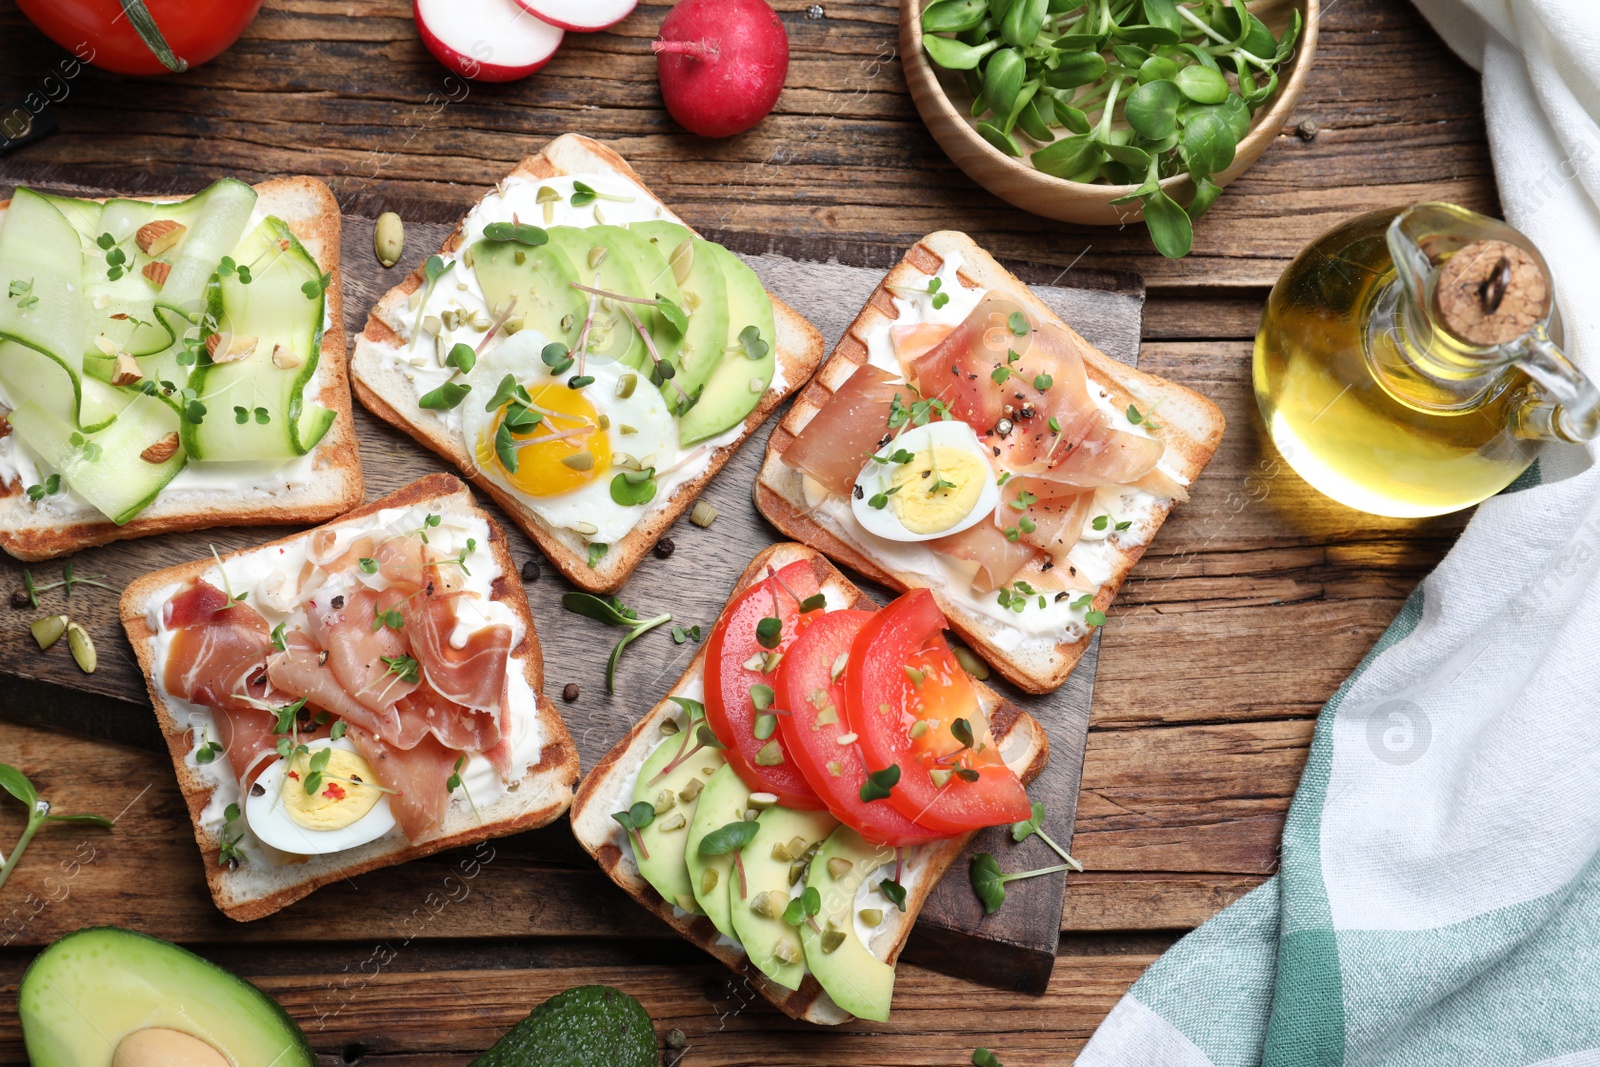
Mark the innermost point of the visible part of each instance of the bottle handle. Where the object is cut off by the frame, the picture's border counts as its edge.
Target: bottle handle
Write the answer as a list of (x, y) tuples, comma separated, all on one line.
[(1565, 406)]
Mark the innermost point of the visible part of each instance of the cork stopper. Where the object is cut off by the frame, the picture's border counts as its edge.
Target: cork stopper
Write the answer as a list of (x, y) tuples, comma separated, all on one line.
[(1491, 292)]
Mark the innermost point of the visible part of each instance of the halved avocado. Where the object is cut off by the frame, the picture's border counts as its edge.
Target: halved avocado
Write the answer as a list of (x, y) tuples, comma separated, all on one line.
[(104, 987), (666, 838), (590, 1026)]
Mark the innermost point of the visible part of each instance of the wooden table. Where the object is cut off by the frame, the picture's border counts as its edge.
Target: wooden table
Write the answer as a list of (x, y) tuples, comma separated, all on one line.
[(1254, 603)]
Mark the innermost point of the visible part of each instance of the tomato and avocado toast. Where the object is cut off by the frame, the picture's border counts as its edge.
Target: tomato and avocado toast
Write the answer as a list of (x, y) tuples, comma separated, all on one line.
[(848, 946)]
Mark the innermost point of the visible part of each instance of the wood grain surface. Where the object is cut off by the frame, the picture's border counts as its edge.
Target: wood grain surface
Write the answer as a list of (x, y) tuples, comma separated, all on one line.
[(1253, 604)]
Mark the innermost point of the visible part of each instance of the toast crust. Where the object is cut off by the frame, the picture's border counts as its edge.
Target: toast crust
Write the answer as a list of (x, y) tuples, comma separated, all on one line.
[(1190, 431), (593, 827), (545, 792), (387, 395), (309, 209)]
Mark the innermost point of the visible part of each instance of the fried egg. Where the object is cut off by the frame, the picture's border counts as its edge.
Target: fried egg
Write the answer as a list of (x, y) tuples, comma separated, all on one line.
[(931, 481), (585, 438), (344, 810)]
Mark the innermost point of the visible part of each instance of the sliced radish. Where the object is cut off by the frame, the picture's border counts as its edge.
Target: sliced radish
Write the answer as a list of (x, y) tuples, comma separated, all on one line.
[(580, 16), (486, 40)]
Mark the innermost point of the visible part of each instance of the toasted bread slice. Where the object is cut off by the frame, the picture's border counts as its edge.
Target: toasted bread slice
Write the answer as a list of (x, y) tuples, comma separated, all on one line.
[(252, 891), (1022, 739), (382, 386), (1190, 429), (30, 532)]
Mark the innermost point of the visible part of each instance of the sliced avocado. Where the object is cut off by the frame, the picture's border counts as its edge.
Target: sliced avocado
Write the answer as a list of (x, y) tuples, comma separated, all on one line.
[(656, 279), (724, 800), (858, 981), (738, 382), (147, 996), (667, 835), (705, 300), (590, 1026), (613, 336), (772, 944), (540, 279)]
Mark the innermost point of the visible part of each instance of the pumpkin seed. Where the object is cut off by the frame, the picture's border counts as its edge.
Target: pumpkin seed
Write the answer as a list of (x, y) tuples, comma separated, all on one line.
[(48, 630), (579, 461), (682, 260), (389, 239), (702, 514), (82, 646)]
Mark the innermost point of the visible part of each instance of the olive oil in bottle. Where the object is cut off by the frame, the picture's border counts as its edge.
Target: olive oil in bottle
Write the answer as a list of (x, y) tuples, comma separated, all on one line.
[(1405, 364)]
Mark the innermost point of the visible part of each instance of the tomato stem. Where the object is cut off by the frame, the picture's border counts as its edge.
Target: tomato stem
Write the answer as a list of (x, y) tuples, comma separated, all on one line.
[(145, 26)]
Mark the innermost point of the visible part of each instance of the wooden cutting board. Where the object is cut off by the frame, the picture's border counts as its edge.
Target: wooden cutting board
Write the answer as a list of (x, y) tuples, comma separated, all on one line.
[(826, 281)]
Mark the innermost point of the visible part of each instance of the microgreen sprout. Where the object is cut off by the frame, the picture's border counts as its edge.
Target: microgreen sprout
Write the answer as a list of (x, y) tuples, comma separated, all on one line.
[(634, 820), (879, 783), (1029, 827), (990, 884), (17, 784), (731, 839), (613, 612)]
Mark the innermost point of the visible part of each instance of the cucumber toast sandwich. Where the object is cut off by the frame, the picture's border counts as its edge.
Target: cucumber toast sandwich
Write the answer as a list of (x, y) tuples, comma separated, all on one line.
[(171, 364)]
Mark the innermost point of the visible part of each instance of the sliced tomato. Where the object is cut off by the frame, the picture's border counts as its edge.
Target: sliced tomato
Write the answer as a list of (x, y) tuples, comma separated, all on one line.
[(816, 720), (903, 673), (730, 709)]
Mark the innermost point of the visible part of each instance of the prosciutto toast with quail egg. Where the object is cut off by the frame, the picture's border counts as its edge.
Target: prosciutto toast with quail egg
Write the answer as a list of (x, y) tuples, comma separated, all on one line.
[(583, 357), (795, 798), (171, 364), (963, 439), (351, 697)]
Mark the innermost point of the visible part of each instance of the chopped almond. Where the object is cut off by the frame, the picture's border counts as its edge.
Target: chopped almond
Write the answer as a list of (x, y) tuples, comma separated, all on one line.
[(159, 236), (105, 344), (230, 348), (127, 370), (156, 272), (162, 450), (285, 359), (102, 301)]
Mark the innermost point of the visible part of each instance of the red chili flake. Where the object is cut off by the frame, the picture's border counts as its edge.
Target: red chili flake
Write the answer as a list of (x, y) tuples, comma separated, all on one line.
[(295, 775), (334, 791)]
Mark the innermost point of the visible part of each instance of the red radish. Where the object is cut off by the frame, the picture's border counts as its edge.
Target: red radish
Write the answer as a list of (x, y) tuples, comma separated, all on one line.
[(485, 40), (721, 64), (580, 16)]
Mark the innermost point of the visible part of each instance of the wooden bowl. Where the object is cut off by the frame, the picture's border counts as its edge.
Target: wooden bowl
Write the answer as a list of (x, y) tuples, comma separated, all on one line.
[(945, 104)]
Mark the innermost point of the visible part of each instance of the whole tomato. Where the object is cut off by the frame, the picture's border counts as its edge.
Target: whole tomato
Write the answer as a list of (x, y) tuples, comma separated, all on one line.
[(142, 36)]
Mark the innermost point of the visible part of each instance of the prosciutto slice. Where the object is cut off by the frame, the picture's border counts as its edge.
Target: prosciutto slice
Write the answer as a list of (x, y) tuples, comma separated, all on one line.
[(1057, 513), (219, 650), (997, 559), (419, 777), (474, 675), (849, 428), (247, 738), (359, 655), (913, 340), (300, 673)]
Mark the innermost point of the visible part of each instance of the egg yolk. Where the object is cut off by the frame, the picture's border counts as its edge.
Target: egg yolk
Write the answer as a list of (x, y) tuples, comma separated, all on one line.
[(937, 489), (342, 795), (567, 450)]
